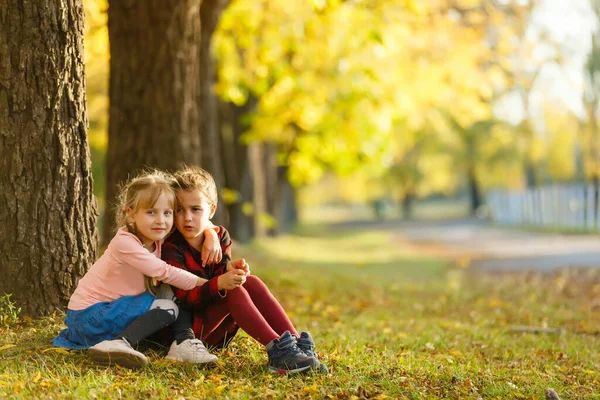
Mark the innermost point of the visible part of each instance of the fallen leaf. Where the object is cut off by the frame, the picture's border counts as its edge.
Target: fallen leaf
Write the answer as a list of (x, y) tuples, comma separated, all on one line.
[(57, 350), (219, 389)]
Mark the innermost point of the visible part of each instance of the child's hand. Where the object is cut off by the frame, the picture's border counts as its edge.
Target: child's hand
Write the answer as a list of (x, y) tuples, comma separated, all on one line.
[(231, 280), (239, 264), (211, 249)]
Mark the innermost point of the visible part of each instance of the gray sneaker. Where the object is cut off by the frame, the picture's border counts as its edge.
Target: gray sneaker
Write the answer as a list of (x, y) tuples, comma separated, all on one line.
[(285, 357), (307, 345), (119, 352)]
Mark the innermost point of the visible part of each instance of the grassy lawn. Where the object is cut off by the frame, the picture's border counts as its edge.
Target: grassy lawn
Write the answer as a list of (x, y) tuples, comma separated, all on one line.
[(390, 322)]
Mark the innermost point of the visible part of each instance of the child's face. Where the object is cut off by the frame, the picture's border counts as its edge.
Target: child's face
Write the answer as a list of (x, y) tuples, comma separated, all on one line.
[(193, 214), (154, 223)]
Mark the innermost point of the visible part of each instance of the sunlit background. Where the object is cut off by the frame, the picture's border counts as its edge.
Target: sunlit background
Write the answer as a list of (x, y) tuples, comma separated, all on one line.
[(403, 108)]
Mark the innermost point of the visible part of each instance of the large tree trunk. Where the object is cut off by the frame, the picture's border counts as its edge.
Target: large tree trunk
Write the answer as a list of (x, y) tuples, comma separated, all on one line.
[(47, 209), (154, 90), (210, 12)]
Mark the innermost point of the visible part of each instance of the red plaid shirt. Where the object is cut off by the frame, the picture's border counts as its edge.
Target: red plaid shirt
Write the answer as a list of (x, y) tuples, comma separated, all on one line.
[(178, 252)]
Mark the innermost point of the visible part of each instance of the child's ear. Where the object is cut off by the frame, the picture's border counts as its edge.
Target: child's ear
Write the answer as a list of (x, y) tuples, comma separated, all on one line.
[(128, 213), (213, 208)]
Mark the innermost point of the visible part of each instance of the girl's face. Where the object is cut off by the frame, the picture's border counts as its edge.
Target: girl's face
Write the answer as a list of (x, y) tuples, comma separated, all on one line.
[(193, 215), (154, 224)]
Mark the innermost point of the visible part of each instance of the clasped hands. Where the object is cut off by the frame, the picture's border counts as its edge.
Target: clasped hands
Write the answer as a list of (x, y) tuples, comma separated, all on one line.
[(237, 271)]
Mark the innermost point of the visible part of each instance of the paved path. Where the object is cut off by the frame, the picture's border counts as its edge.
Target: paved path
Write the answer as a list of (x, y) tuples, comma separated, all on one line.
[(503, 248)]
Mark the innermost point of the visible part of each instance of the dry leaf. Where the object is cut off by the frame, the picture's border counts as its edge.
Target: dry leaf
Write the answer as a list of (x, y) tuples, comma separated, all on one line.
[(57, 350)]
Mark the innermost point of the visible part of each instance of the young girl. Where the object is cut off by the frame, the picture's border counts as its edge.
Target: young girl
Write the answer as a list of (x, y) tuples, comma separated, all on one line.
[(231, 297), (111, 311)]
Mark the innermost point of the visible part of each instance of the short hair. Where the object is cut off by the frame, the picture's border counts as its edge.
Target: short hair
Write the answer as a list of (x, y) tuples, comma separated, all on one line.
[(195, 178)]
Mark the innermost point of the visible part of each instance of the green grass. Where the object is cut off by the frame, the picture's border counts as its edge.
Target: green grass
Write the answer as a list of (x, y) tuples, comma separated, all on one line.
[(389, 321)]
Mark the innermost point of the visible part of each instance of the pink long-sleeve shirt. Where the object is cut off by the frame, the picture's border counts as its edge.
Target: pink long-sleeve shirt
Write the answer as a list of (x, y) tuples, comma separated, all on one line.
[(121, 270)]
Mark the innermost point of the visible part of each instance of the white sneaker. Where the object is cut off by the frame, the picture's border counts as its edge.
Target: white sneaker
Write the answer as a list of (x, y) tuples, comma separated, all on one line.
[(191, 351), (118, 352)]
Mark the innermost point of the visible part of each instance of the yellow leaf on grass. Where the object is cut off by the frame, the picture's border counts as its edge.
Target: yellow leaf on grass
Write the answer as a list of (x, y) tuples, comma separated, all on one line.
[(310, 389), (37, 378), (7, 346), (4, 383), (216, 378), (199, 381), (589, 371), (57, 350), (219, 389)]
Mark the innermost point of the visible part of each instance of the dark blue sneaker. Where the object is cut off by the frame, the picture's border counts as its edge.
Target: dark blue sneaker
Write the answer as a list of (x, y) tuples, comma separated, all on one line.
[(285, 357), (307, 345)]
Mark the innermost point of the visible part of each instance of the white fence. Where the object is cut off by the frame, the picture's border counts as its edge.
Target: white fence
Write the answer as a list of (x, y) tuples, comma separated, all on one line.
[(554, 206)]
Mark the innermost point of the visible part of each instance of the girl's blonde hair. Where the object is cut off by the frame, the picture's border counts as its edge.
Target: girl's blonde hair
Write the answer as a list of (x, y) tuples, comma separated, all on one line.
[(142, 192)]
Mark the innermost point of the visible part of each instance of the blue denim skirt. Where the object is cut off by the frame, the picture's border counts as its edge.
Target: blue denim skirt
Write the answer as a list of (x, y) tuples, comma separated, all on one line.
[(101, 321)]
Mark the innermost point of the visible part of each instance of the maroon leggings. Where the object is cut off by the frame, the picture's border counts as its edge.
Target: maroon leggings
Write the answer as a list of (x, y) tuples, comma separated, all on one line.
[(253, 308)]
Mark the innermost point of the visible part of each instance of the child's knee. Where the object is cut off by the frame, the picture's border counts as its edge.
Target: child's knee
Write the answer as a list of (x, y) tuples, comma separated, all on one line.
[(252, 280), (167, 305)]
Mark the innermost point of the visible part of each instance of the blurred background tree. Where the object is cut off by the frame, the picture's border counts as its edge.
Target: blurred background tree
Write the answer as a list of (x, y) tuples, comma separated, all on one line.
[(313, 102)]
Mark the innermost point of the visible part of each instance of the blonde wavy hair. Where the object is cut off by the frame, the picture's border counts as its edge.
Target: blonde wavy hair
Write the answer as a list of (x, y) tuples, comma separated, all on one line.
[(142, 192)]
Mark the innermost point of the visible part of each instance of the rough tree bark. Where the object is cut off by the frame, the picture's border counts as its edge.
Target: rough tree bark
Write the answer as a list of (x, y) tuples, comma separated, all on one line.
[(47, 209), (154, 90)]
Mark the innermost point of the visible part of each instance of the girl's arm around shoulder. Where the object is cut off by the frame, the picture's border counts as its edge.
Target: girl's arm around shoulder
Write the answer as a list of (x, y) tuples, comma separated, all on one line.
[(128, 249), (226, 243)]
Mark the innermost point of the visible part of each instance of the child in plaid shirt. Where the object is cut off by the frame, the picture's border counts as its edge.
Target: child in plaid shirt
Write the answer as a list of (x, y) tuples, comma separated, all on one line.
[(231, 297)]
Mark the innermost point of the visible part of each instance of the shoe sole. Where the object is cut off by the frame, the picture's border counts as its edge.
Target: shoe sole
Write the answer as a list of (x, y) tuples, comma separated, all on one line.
[(123, 359), (207, 363), (282, 371)]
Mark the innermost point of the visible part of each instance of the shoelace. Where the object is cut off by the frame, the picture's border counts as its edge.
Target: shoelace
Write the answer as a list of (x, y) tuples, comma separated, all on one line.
[(305, 343), (290, 344), (198, 344), (127, 343)]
